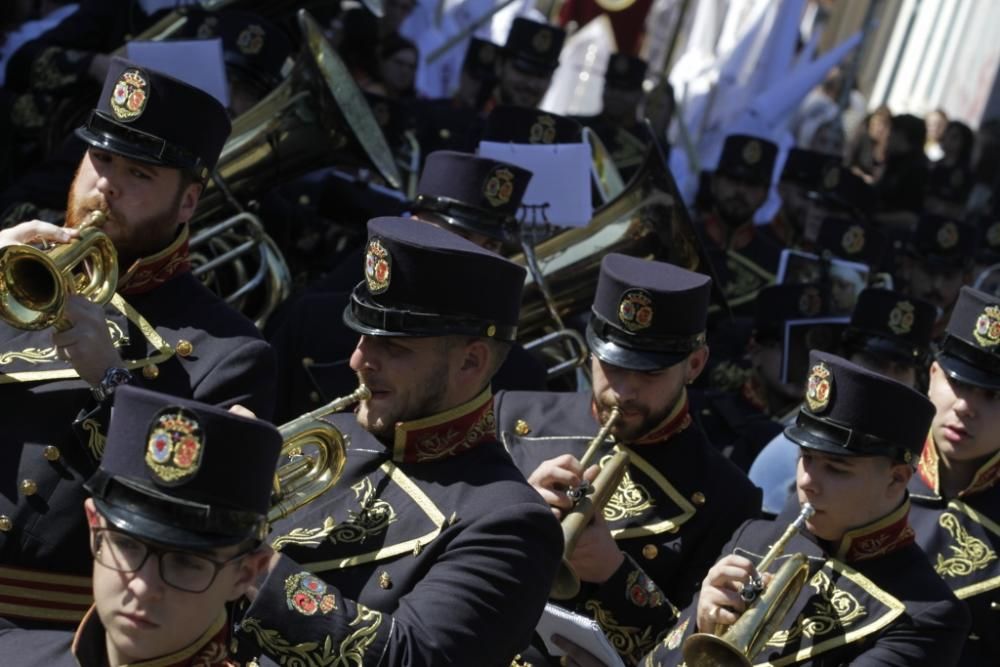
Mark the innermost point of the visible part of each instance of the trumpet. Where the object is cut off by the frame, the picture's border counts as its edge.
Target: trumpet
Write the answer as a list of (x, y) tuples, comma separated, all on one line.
[(767, 606), (316, 452), (588, 498), (35, 283)]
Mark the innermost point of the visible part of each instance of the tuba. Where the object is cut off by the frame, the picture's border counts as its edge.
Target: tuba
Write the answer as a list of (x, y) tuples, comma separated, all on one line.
[(587, 499), (34, 283), (315, 451), (767, 606)]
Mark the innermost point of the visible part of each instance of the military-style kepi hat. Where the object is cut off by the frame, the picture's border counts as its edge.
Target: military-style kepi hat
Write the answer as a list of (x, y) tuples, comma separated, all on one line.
[(837, 187), (184, 473), (471, 192), (625, 72), (941, 242), (154, 118), (851, 411), (647, 315), (481, 58), (805, 168), (970, 351), (949, 184), (778, 304), (890, 325), (420, 280), (748, 159), (534, 47), (520, 125), (852, 240)]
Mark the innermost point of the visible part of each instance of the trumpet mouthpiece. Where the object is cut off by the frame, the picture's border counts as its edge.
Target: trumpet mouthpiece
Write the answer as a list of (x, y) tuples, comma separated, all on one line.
[(96, 219)]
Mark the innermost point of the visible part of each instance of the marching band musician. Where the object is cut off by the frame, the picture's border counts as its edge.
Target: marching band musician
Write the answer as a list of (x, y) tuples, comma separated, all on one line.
[(176, 527), (956, 498), (432, 549), (679, 500), (870, 596), (152, 140)]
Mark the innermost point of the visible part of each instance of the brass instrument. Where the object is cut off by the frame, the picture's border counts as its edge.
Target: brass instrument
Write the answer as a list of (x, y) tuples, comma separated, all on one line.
[(766, 608), (588, 498), (316, 453), (34, 283)]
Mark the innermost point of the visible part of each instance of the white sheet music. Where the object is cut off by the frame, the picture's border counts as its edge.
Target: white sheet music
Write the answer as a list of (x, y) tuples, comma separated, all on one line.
[(580, 630)]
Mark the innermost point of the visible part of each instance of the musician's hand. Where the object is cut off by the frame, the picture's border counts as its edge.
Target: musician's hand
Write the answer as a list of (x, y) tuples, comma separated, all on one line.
[(576, 656), (86, 345), (34, 231), (719, 600), (553, 477), (596, 556)]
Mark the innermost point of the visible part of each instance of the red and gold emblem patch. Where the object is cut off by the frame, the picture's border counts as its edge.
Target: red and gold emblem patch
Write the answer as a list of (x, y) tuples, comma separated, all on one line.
[(378, 267), (543, 131), (947, 235), (499, 186), (901, 318), (987, 331), (542, 41), (174, 446), (635, 310), (819, 388), (752, 152), (306, 594), (130, 95), (251, 40), (853, 240)]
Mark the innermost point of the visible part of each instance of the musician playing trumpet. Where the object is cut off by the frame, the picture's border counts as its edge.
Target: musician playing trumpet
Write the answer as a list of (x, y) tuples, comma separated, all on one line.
[(679, 499), (868, 595)]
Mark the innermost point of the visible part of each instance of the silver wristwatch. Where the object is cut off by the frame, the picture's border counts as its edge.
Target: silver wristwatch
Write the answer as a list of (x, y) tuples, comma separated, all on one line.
[(113, 377)]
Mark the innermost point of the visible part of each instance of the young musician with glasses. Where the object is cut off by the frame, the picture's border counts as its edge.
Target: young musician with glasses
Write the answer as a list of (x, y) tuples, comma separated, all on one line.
[(177, 518)]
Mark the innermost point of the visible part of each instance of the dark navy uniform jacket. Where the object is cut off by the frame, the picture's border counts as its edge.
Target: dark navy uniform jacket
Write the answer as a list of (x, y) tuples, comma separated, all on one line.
[(871, 600), (962, 538), (178, 338), (431, 551), (86, 648), (678, 503)]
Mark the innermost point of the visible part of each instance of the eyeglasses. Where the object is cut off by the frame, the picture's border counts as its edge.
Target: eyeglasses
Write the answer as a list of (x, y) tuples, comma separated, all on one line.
[(184, 570)]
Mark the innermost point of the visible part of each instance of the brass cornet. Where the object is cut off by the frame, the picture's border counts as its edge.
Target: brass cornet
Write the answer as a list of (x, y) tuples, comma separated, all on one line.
[(767, 606), (587, 499), (316, 452), (34, 283)]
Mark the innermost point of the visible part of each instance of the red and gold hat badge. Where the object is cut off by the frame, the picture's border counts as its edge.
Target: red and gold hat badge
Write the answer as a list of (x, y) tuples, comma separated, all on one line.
[(987, 331), (378, 267), (947, 235), (307, 594), (543, 131), (752, 152), (174, 446), (635, 310), (130, 95), (542, 41), (853, 240), (251, 40), (819, 387), (499, 186), (901, 318)]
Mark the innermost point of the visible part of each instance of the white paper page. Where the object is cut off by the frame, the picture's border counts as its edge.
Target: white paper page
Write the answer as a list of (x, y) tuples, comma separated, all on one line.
[(198, 62)]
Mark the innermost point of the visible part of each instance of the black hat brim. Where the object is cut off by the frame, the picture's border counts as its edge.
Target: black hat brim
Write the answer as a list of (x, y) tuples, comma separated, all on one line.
[(131, 520), (967, 373), (118, 147), (629, 358), (809, 440), (885, 348)]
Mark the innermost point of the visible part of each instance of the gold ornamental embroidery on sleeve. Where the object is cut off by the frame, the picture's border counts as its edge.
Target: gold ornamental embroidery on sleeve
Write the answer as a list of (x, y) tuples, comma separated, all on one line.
[(629, 641), (95, 439), (831, 610), (372, 519), (349, 653), (969, 555)]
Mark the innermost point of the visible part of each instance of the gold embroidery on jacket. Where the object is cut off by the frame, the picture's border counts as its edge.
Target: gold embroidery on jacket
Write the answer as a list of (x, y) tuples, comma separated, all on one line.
[(629, 499), (350, 652), (95, 439), (835, 610), (373, 519), (629, 641), (971, 554)]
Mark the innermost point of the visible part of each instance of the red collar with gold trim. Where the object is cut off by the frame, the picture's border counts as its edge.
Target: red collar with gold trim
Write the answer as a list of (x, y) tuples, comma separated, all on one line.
[(150, 272), (447, 434), (784, 231), (890, 533), (675, 422), (211, 649), (722, 237), (929, 468)]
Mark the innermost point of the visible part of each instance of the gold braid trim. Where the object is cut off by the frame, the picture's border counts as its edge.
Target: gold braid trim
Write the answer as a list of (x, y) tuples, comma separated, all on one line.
[(629, 641), (373, 519), (350, 652), (970, 555), (834, 610)]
